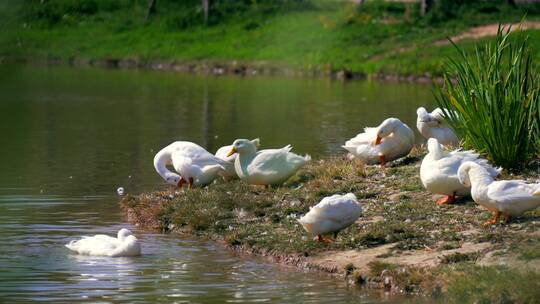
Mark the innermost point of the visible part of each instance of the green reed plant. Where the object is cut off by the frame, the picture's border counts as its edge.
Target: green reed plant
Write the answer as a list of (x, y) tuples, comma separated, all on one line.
[(492, 99)]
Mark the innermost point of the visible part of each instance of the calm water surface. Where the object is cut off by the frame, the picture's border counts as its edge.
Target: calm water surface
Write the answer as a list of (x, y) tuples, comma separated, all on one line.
[(70, 137)]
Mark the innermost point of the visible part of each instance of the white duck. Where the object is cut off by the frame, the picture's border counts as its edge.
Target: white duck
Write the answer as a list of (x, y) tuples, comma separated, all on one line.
[(332, 214), (125, 244), (195, 174), (391, 140), (433, 125), (507, 197), (222, 153), (265, 167), (177, 155), (439, 168)]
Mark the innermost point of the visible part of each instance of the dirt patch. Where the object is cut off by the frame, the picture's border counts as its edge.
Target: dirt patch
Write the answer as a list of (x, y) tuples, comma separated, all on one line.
[(489, 30), (361, 259)]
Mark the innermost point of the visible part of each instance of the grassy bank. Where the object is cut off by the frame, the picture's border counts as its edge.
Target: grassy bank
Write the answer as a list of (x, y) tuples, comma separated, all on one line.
[(403, 241), (320, 36)]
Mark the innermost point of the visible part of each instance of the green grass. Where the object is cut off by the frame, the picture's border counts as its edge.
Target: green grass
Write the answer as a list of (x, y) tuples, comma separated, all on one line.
[(473, 284), (264, 221), (459, 257), (493, 104), (319, 35)]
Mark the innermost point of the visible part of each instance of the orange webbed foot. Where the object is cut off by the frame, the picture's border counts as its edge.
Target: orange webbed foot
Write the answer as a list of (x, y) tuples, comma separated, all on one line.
[(449, 199), (382, 161), (494, 220), (322, 239)]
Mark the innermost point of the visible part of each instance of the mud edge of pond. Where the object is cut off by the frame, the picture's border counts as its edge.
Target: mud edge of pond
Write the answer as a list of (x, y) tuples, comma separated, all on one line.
[(298, 261), (224, 67), (403, 242)]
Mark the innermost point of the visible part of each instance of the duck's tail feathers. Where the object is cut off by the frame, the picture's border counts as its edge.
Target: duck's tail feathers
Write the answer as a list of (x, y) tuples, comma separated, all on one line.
[(287, 148), (70, 245), (351, 149), (469, 153), (493, 171), (371, 131)]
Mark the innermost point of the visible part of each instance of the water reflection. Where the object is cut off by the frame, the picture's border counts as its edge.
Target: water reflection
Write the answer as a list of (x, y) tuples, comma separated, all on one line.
[(72, 137)]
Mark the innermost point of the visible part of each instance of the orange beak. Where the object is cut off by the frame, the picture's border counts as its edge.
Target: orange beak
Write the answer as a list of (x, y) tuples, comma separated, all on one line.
[(378, 140), (233, 150)]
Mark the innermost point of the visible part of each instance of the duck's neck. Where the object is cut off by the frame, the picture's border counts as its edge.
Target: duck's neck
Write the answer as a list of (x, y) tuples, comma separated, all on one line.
[(480, 180), (161, 160), (436, 153), (243, 160)]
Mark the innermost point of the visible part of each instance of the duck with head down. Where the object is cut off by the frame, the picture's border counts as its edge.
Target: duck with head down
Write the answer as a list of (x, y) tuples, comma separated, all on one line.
[(504, 198), (265, 167), (391, 140), (331, 214), (182, 155)]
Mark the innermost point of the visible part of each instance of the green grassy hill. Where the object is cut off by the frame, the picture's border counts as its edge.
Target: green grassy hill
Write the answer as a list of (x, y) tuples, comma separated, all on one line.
[(379, 37)]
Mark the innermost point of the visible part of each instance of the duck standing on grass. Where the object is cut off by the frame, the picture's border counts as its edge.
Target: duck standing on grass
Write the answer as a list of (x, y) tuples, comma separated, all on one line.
[(439, 171), (433, 125), (199, 166), (331, 215), (391, 140), (222, 153), (265, 167), (125, 244), (503, 198)]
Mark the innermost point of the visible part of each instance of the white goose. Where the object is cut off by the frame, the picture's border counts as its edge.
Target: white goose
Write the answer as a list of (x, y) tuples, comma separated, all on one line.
[(507, 197), (125, 244), (177, 155), (439, 168), (222, 153), (391, 140), (265, 167), (433, 125), (332, 214)]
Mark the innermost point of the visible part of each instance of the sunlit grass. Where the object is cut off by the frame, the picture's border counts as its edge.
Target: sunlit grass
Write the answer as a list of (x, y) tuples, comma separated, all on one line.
[(380, 37), (472, 284)]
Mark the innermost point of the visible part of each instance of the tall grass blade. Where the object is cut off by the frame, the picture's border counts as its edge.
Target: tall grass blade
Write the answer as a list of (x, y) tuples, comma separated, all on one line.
[(492, 99)]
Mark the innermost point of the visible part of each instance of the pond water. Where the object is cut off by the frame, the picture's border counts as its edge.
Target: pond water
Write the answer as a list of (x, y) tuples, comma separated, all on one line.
[(71, 137)]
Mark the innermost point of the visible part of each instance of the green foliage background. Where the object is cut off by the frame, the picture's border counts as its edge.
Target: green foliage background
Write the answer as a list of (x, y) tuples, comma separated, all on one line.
[(379, 37)]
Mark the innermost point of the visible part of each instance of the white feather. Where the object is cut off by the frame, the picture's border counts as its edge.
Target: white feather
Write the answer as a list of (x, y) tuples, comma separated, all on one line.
[(332, 214)]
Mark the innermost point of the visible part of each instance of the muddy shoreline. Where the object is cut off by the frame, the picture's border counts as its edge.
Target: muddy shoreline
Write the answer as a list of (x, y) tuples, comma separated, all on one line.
[(223, 67), (296, 261)]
